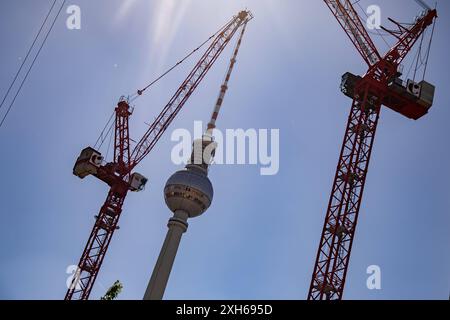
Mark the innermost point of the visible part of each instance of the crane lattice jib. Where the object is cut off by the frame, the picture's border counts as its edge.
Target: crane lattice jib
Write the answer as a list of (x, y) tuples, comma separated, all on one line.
[(157, 128), (408, 37), (353, 27)]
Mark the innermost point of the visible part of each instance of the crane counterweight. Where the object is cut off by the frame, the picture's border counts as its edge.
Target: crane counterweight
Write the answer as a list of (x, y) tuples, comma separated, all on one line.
[(412, 100)]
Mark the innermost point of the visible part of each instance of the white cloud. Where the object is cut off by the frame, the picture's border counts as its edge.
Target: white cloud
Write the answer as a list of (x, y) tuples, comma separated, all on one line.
[(164, 19), (124, 9), (167, 16)]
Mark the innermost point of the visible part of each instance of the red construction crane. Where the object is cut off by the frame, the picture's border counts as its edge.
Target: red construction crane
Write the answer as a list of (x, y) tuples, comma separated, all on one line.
[(381, 85), (118, 173)]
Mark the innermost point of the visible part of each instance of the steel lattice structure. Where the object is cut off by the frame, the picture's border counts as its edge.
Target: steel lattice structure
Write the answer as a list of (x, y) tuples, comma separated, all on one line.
[(369, 93)]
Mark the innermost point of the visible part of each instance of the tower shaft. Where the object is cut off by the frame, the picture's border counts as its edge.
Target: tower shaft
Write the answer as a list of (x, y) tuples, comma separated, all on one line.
[(177, 226)]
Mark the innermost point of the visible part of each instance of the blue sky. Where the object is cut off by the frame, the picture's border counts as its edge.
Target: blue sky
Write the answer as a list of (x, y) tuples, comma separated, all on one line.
[(260, 236)]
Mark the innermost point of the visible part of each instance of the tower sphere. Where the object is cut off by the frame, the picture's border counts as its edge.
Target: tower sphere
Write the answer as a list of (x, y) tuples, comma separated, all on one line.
[(189, 190)]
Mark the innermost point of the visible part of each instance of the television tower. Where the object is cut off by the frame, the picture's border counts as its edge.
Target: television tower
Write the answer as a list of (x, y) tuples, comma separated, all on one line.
[(188, 193)]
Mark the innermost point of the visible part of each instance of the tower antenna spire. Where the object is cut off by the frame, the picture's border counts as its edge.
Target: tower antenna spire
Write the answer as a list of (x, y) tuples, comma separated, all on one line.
[(224, 87)]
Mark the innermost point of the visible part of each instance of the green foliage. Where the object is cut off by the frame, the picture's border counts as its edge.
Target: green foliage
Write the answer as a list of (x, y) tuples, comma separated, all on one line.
[(113, 292)]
